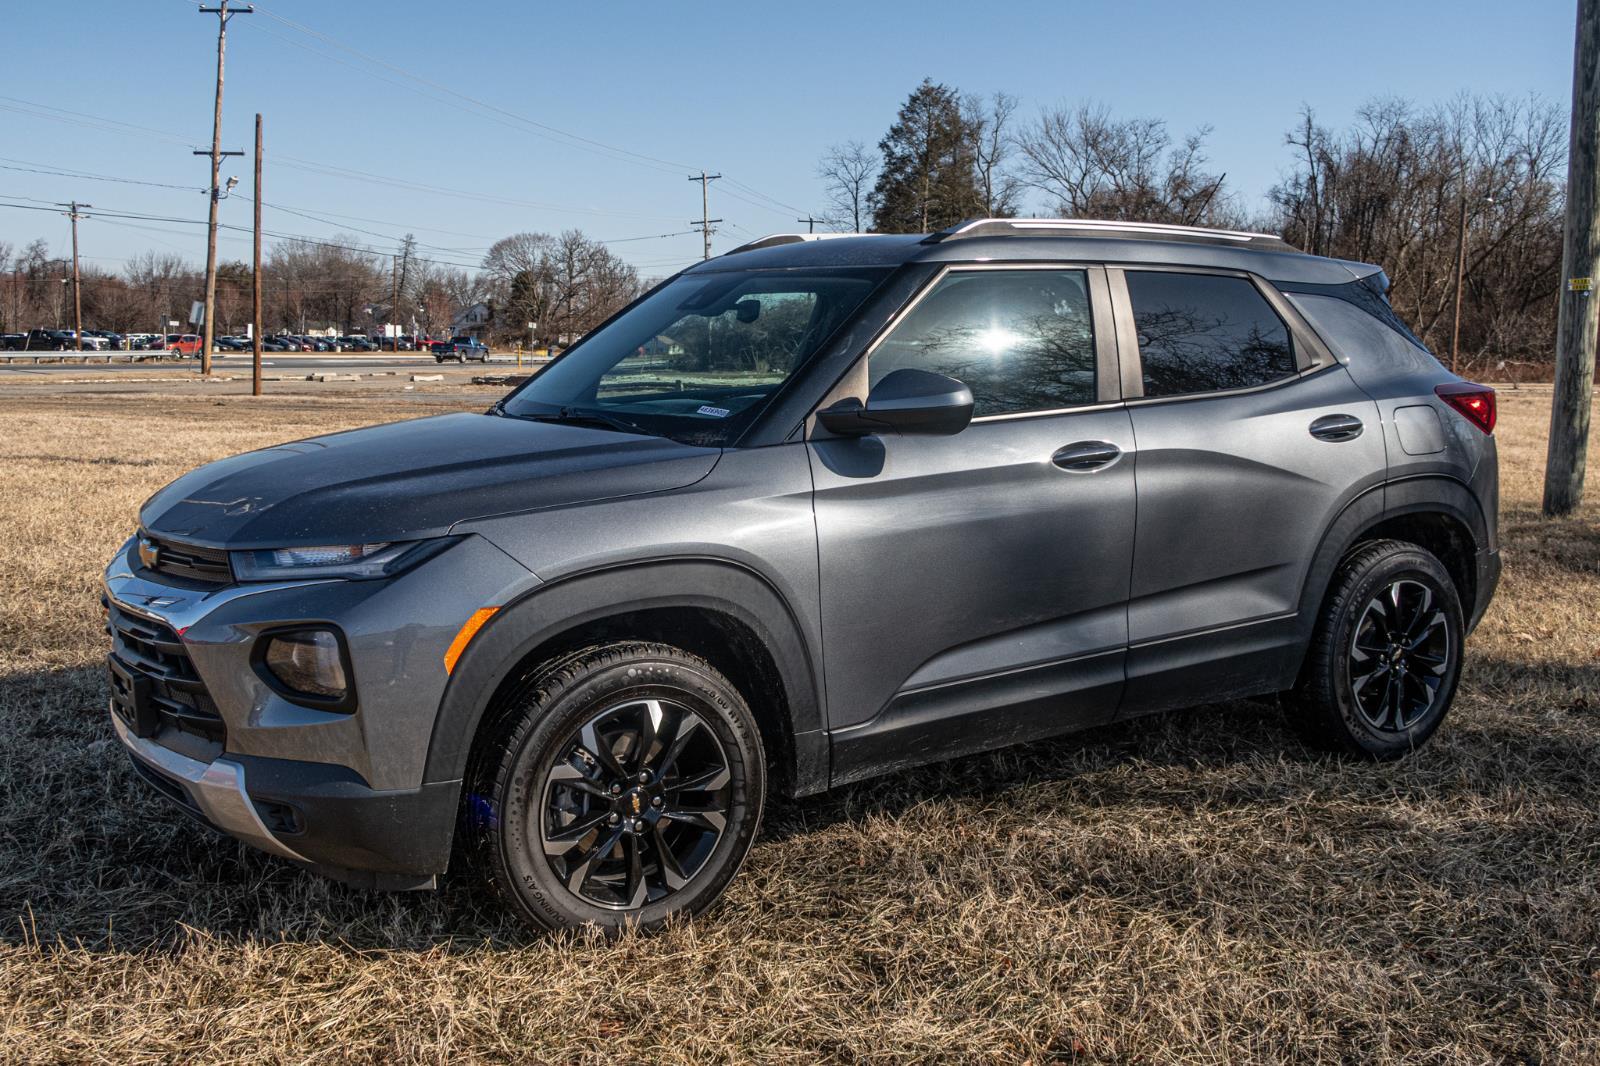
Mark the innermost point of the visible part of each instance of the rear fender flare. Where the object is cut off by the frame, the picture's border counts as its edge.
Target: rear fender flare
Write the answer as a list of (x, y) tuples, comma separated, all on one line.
[(1395, 499)]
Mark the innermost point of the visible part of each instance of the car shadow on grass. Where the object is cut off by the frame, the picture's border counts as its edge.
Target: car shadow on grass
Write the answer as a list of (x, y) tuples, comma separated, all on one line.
[(91, 857)]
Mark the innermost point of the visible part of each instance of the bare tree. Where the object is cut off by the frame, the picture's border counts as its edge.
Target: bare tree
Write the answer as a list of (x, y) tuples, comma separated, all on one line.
[(991, 124), (9, 309), (1096, 166), (848, 172), (567, 284), (1408, 187)]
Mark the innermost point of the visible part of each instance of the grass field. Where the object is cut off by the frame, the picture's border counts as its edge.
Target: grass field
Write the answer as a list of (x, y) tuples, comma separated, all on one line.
[(1196, 886)]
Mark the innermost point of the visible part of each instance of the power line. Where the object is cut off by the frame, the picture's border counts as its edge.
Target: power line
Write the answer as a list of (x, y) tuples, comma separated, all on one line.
[(576, 140), (313, 166), (40, 169)]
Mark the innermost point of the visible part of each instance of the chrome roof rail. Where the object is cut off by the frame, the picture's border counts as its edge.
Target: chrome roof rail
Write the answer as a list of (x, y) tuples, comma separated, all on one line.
[(1085, 227)]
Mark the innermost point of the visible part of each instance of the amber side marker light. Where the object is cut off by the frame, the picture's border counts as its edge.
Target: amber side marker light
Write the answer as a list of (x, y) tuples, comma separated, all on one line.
[(469, 629)]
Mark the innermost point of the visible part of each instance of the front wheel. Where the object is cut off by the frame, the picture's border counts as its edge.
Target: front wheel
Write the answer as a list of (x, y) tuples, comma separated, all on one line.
[(622, 785), (1385, 659)]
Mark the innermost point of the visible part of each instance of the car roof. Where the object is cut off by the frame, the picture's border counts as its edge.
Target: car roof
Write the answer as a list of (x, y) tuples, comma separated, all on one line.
[(1046, 240)]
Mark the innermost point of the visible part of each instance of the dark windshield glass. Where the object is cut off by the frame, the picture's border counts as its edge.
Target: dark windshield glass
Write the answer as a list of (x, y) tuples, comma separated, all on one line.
[(700, 357)]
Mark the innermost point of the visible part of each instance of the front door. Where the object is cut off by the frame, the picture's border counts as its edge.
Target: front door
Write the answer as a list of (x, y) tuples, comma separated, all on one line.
[(974, 587)]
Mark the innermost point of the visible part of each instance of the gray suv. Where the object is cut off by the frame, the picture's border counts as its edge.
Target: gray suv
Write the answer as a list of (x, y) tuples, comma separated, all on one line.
[(808, 512)]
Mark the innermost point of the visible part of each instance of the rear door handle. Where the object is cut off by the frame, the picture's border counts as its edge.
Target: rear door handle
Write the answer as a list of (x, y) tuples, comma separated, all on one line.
[(1336, 427), (1086, 455)]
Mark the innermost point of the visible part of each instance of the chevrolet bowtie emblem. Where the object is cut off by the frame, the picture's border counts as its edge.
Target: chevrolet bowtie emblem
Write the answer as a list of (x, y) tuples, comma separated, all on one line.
[(149, 554), (638, 803)]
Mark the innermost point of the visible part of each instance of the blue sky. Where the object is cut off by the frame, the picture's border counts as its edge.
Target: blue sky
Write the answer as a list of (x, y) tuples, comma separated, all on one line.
[(753, 90)]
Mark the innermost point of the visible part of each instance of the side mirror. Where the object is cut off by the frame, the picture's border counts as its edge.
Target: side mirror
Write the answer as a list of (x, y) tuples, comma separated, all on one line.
[(906, 401)]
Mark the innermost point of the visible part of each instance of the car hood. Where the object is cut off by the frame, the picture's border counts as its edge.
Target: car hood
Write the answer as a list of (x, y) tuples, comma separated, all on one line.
[(409, 480)]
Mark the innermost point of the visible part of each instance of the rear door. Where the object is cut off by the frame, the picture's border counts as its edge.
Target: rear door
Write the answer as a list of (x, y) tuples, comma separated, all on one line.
[(1251, 439), (974, 587)]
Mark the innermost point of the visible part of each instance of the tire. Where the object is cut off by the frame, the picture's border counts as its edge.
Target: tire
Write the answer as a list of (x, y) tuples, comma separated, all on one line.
[(562, 759), (1392, 618)]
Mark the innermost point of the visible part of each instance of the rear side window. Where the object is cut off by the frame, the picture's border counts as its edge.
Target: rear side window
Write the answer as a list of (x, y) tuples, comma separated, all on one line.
[(1021, 340), (1206, 333)]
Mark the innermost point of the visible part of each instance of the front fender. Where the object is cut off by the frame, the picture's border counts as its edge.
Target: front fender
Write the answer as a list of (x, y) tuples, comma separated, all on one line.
[(548, 611)]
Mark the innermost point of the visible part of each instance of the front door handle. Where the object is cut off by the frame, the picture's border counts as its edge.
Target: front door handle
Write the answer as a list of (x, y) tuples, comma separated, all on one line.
[(1336, 427), (1086, 455)]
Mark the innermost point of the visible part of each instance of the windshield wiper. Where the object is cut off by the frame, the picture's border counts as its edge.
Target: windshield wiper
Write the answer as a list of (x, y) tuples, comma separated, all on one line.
[(572, 416)]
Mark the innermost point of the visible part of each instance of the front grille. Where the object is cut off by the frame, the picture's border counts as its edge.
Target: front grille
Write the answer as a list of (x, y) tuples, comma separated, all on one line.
[(152, 650), (189, 561)]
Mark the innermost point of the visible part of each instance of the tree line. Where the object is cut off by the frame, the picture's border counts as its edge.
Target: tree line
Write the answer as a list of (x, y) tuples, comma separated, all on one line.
[(567, 283), (1410, 187)]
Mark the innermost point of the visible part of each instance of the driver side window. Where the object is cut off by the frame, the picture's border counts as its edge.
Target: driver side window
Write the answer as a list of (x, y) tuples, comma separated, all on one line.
[(1021, 340)]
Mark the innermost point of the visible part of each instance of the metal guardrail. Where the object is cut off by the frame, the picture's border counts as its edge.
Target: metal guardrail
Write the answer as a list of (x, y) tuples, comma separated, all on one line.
[(79, 357)]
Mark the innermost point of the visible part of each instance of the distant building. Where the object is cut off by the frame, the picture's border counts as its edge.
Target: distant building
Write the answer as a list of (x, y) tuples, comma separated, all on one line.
[(472, 321)]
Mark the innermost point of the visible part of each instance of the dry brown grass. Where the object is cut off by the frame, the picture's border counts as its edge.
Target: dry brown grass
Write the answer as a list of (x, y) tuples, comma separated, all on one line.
[(1196, 886)]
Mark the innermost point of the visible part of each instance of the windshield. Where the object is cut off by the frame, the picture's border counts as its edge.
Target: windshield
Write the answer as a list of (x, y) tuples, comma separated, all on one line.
[(700, 357)]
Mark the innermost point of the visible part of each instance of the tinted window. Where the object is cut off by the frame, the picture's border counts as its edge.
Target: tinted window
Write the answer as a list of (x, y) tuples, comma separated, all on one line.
[(1021, 340), (699, 357), (1203, 333)]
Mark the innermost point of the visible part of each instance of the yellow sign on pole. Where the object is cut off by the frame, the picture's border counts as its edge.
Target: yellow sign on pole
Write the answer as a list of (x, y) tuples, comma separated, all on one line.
[(1580, 284)]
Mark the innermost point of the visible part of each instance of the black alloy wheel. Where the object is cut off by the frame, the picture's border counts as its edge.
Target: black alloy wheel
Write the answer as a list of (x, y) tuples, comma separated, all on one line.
[(615, 786), (1398, 656), (635, 803), (1385, 657)]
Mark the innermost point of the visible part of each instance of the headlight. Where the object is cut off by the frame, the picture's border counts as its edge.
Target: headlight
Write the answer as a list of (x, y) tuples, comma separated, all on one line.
[(308, 665), (351, 561)]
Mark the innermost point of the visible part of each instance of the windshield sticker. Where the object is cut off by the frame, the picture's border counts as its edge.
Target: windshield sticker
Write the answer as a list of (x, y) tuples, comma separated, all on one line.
[(714, 412)]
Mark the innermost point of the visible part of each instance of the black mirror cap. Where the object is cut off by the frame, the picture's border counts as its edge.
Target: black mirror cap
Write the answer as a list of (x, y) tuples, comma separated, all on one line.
[(906, 401)]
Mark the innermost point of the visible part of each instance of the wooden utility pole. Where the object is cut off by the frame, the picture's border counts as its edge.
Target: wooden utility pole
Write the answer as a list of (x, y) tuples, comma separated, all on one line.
[(255, 279), (77, 284), (811, 223), (706, 221), (1461, 273), (394, 302), (1580, 264), (207, 330)]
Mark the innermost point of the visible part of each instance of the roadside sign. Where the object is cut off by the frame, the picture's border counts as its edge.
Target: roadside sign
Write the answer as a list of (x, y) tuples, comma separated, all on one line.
[(197, 313), (173, 323), (1580, 284)]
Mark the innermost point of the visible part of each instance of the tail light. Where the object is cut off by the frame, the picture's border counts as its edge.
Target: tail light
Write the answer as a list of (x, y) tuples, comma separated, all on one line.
[(1475, 403)]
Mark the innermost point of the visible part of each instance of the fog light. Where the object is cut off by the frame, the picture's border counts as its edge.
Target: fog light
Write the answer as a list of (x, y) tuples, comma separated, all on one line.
[(308, 661)]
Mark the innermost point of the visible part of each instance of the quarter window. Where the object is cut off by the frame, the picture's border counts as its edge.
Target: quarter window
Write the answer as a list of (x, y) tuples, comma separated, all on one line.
[(1021, 340), (1205, 333)]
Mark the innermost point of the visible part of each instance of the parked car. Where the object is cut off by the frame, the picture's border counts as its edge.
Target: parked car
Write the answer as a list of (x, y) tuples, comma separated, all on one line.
[(184, 344), (235, 344), (462, 349), (273, 344), (354, 343), (981, 488), (50, 340), (145, 342), (13, 342)]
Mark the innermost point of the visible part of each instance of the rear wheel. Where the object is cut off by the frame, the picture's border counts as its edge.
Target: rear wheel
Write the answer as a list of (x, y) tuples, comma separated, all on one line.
[(623, 785), (1385, 660)]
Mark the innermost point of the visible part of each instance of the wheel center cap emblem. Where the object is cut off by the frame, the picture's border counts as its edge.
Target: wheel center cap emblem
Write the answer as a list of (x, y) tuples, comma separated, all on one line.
[(636, 801)]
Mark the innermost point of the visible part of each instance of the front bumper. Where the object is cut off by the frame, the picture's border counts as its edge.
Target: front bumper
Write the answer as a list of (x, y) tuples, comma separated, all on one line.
[(340, 792), (212, 791), (323, 818)]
